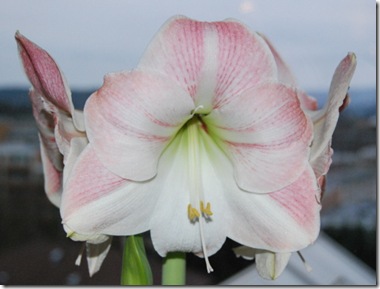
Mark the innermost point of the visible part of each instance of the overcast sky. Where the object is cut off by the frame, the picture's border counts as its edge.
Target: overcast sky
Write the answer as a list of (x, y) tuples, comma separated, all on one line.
[(89, 38)]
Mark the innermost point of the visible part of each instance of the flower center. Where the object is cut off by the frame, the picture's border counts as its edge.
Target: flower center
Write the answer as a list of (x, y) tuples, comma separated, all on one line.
[(198, 210)]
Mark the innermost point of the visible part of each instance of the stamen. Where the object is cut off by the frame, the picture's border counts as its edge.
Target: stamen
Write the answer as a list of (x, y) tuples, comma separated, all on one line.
[(192, 213), (195, 177), (307, 266), (208, 265), (207, 210)]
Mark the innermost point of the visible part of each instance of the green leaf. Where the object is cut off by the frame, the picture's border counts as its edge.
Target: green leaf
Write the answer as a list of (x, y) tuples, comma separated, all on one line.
[(136, 269)]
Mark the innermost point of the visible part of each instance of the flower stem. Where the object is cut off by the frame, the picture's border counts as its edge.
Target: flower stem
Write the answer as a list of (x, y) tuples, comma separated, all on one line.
[(174, 269)]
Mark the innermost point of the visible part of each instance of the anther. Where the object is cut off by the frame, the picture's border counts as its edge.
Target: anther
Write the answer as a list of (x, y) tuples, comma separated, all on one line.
[(307, 266), (192, 212), (207, 210)]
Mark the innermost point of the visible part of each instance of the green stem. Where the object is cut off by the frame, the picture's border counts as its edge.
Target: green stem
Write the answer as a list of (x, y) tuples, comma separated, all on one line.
[(174, 269)]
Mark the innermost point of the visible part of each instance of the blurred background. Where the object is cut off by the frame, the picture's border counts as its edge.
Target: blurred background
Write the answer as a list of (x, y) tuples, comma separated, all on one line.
[(90, 38)]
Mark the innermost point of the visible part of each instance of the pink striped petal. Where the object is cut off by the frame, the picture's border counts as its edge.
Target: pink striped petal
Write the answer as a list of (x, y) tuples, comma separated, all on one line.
[(97, 202), (267, 136), (308, 103), (212, 61), (44, 74), (325, 120), (88, 182), (282, 221), (132, 118)]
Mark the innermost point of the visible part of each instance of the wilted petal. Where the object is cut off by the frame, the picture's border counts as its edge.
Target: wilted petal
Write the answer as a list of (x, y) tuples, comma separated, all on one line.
[(52, 177), (65, 131), (212, 61), (245, 252), (270, 265), (267, 136), (132, 118), (96, 253), (325, 120), (47, 80), (45, 124), (44, 74)]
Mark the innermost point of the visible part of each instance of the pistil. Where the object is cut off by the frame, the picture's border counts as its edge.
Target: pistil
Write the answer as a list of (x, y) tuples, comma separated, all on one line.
[(196, 209)]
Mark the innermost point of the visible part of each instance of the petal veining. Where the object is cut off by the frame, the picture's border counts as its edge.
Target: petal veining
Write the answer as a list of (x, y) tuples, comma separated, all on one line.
[(266, 134), (97, 202), (213, 61), (44, 74), (132, 118)]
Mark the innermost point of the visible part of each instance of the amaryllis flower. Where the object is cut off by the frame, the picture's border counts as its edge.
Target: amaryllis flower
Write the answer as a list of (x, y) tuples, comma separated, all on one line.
[(61, 128), (206, 139)]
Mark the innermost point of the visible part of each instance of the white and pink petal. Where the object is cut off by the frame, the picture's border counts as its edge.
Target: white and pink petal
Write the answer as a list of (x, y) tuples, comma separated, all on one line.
[(171, 227), (325, 120), (131, 119), (283, 221), (44, 73), (97, 202), (52, 177), (266, 135), (212, 61)]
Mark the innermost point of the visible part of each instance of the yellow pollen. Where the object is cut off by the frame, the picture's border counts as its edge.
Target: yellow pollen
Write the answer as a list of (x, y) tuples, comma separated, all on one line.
[(206, 210), (192, 212)]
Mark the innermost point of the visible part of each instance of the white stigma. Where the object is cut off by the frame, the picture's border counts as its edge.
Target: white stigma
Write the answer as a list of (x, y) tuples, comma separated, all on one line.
[(194, 111)]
